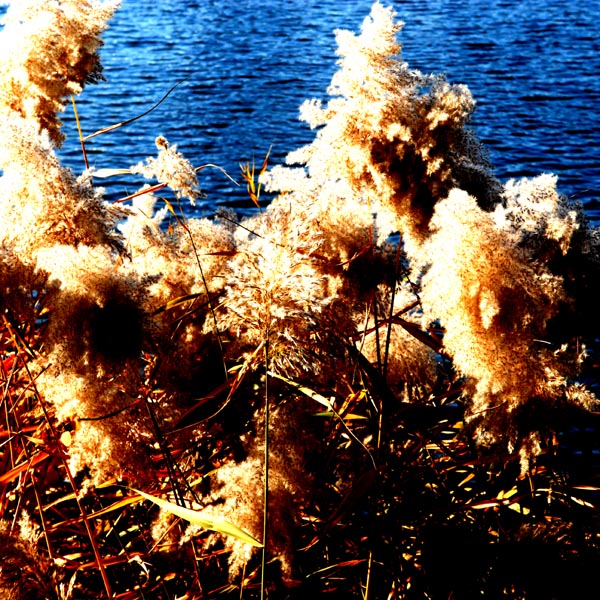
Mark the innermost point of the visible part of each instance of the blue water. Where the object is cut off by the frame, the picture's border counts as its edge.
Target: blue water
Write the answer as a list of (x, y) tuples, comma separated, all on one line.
[(246, 65)]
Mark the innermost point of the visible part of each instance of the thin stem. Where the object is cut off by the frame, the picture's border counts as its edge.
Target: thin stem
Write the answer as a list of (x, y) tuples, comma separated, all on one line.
[(367, 583), (81, 138), (389, 327), (183, 222), (266, 473), (377, 341)]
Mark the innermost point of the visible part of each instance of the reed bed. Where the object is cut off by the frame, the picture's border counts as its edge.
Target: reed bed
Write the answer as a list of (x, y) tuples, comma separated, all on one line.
[(382, 384)]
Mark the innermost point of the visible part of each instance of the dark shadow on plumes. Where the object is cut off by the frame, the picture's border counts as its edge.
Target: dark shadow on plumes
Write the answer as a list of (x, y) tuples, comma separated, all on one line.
[(116, 329), (472, 171), (412, 185), (370, 269), (581, 272), (418, 191), (540, 417)]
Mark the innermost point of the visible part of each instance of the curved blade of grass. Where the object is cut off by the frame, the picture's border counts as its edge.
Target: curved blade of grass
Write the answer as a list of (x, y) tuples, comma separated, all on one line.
[(128, 121), (197, 169), (199, 518)]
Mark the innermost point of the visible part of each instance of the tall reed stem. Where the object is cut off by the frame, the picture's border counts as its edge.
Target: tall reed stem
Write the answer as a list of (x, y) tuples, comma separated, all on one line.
[(266, 473)]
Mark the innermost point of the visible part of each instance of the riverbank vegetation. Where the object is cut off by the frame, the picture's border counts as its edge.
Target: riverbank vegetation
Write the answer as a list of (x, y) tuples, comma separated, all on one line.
[(382, 384)]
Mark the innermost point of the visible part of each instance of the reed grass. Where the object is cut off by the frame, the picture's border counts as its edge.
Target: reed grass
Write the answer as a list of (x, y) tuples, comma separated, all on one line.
[(294, 405)]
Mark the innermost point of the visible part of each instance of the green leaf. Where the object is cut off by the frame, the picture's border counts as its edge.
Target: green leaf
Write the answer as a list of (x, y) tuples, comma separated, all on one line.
[(199, 518)]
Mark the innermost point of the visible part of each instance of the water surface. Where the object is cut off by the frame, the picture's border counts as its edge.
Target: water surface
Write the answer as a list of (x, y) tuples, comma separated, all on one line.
[(533, 67)]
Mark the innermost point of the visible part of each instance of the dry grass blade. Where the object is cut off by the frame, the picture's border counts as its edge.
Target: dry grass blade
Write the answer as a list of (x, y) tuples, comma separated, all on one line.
[(214, 523), (177, 302), (326, 402), (15, 472), (79, 131), (128, 121), (142, 192), (210, 165)]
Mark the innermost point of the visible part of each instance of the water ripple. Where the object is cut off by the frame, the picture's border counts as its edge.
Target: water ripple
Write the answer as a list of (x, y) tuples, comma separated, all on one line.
[(532, 65)]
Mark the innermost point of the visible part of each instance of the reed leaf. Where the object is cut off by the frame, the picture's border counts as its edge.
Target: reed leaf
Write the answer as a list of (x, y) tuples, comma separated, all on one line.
[(214, 523)]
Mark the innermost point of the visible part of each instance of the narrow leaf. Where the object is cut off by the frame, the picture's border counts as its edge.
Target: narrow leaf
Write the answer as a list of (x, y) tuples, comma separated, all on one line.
[(200, 518), (484, 504), (347, 417), (103, 173), (304, 390), (128, 121), (24, 466), (176, 302), (265, 163), (419, 334)]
